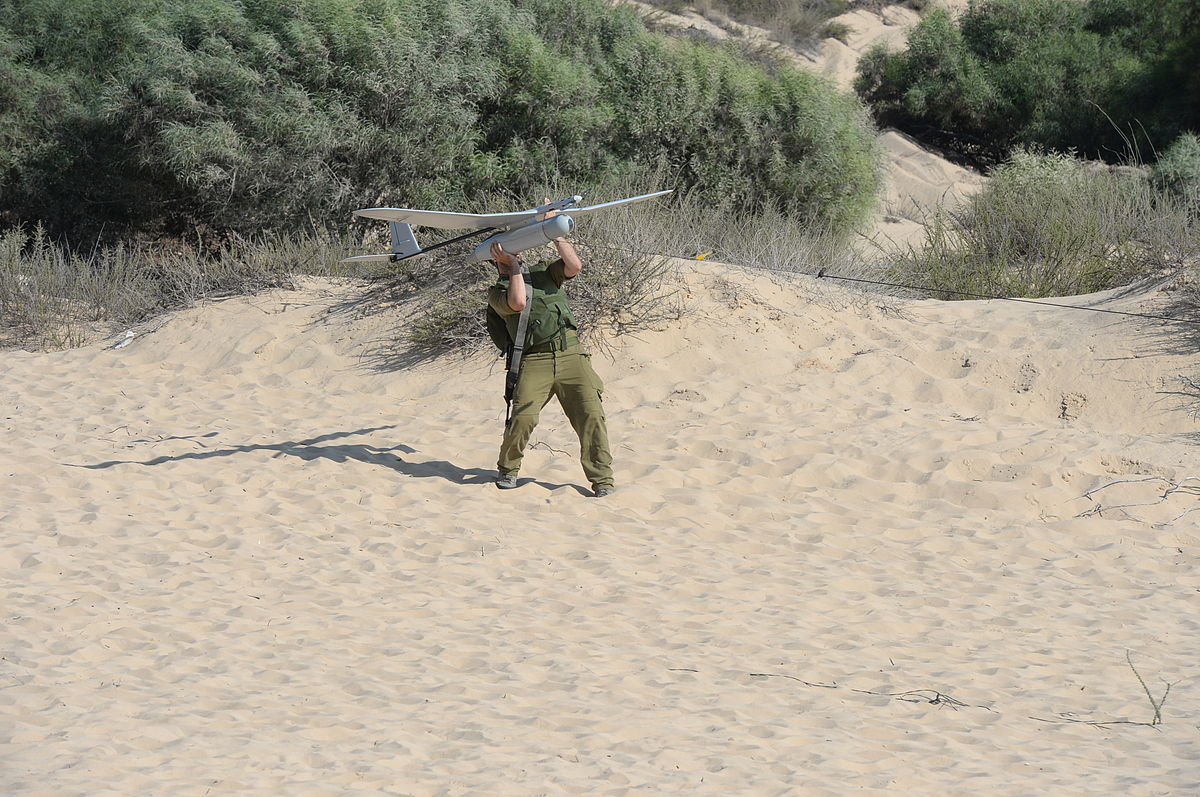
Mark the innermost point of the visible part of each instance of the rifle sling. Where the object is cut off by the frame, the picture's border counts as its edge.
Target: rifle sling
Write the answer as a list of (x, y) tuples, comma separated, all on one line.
[(518, 347)]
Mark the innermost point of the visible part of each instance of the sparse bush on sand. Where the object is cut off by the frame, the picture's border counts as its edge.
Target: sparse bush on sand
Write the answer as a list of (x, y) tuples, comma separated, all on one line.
[(1048, 225), (1177, 172), (632, 276), (51, 298)]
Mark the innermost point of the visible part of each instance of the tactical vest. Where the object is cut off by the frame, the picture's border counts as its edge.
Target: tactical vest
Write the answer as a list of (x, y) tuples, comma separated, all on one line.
[(551, 326)]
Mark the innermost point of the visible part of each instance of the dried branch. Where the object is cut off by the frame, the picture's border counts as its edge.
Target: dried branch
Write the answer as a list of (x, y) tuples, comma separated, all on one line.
[(1180, 486)]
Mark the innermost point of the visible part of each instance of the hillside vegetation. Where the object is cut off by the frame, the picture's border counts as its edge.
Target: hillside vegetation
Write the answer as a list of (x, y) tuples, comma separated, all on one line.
[(1108, 79), (216, 117), (1048, 225), (789, 22)]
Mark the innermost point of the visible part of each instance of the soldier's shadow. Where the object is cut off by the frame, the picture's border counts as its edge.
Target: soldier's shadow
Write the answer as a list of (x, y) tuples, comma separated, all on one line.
[(453, 473), (311, 449)]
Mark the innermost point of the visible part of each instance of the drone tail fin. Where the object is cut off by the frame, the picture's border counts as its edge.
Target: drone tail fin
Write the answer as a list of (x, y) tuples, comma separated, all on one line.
[(404, 243), (404, 246)]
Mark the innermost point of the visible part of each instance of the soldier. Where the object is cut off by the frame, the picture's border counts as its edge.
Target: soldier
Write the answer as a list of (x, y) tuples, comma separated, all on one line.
[(554, 364)]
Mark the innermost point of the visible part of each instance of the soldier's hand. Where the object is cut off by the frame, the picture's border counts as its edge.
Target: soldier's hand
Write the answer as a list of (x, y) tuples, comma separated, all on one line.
[(505, 262)]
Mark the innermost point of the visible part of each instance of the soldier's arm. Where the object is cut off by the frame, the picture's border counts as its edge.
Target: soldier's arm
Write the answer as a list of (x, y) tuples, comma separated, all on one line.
[(516, 291), (498, 299), (510, 266), (572, 265)]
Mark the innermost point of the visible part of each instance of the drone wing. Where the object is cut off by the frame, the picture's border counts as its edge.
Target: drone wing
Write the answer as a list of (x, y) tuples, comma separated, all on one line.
[(614, 203), (450, 221), (445, 220)]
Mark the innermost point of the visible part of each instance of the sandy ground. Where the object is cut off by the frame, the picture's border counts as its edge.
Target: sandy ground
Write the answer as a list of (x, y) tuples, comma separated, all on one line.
[(860, 545), (851, 551)]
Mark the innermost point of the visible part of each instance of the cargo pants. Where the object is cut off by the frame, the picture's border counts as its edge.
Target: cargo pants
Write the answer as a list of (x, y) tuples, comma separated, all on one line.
[(568, 376)]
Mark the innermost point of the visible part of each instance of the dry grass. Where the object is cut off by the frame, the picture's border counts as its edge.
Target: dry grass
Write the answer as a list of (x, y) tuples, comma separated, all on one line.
[(789, 22), (631, 279), (51, 298), (1048, 226)]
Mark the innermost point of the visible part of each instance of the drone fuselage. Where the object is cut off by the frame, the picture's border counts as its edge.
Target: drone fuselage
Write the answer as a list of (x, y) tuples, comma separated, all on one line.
[(526, 237)]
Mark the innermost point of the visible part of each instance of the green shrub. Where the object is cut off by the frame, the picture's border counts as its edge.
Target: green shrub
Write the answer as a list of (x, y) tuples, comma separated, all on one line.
[(1098, 77), (216, 118), (1047, 225), (838, 30), (1177, 171)]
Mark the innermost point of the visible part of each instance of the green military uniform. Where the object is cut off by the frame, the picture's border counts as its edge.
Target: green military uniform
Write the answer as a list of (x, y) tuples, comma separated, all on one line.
[(554, 364)]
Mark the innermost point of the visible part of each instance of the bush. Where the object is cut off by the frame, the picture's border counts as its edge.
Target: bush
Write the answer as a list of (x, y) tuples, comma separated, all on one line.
[(51, 298), (1046, 225), (1177, 172), (631, 279), (938, 85), (218, 118), (1095, 77)]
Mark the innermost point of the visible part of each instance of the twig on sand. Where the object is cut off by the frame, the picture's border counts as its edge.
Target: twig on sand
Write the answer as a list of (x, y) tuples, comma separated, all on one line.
[(935, 697), (931, 696), (1094, 723), (792, 677), (1180, 486), (1181, 514), (1193, 386), (923, 696), (1155, 704), (546, 446)]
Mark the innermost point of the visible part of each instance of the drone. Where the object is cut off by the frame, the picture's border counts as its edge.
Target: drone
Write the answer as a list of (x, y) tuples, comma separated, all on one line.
[(516, 232)]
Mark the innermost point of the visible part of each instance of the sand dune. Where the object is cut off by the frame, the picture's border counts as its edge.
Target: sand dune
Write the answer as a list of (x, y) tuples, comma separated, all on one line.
[(851, 551), (916, 181), (860, 545)]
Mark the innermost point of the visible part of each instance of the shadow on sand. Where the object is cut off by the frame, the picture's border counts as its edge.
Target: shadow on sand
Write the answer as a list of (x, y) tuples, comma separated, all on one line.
[(313, 449)]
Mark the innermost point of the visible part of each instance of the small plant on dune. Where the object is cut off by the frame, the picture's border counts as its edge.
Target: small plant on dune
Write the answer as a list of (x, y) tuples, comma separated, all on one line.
[(1046, 225), (52, 298), (1157, 705), (838, 30), (1177, 171)]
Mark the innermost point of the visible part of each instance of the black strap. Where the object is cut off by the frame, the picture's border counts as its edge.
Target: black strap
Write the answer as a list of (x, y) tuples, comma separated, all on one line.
[(518, 348)]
